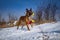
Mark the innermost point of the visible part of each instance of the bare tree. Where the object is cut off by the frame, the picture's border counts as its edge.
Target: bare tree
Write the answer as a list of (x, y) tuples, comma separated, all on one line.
[(50, 12), (0, 17), (39, 15), (12, 17), (3, 21), (46, 15), (53, 10)]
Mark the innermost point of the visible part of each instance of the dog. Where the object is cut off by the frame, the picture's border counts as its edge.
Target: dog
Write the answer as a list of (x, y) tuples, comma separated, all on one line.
[(24, 20)]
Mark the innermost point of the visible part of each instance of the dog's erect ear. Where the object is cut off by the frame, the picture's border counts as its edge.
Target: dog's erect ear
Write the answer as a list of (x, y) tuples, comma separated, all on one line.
[(30, 9), (26, 9)]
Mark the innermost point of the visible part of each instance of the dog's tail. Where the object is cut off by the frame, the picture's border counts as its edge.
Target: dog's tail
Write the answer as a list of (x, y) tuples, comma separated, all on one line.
[(17, 24)]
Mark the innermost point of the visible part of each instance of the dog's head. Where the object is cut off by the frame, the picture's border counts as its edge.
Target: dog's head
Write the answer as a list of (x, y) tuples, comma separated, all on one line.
[(29, 12)]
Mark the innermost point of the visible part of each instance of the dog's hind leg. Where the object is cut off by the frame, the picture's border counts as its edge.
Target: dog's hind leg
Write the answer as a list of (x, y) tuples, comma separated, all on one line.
[(22, 27), (18, 23), (17, 26)]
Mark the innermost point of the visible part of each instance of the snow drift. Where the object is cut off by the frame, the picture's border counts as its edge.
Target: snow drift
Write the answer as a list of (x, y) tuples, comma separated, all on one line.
[(38, 32)]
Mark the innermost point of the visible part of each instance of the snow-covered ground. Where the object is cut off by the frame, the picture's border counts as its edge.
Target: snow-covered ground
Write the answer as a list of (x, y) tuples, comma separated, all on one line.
[(46, 31)]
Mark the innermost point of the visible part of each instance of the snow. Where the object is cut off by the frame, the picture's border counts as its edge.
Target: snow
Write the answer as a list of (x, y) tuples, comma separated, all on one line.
[(46, 31)]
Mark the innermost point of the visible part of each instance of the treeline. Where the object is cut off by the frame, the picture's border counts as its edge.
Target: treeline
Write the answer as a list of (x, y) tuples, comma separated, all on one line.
[(11, 19), (46, 14)]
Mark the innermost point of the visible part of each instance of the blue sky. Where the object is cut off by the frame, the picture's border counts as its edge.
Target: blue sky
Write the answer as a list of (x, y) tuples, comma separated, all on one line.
[(17, 7)]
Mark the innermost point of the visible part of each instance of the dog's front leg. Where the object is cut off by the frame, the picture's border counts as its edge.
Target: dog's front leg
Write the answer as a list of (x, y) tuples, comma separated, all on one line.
[(17, 27), (31, 25), (28, 27)]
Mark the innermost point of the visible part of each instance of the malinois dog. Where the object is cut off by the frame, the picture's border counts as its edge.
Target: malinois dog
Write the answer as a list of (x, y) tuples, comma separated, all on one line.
[(23, 20)]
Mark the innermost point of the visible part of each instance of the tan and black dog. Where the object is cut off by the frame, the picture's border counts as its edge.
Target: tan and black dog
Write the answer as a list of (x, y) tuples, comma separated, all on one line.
[(23, 20)]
